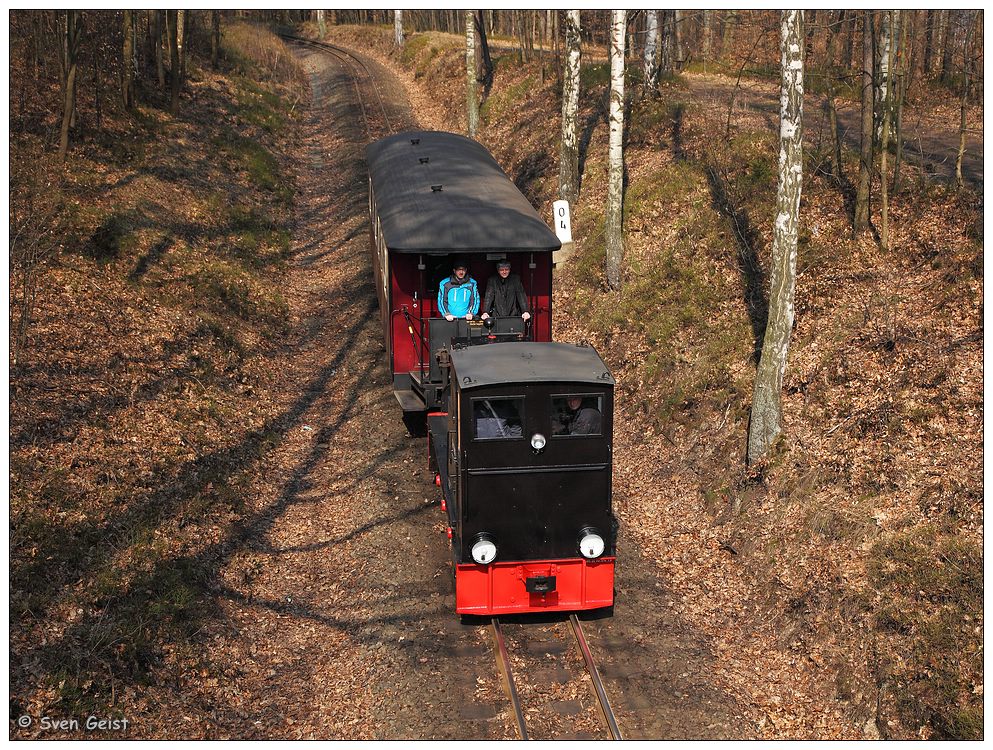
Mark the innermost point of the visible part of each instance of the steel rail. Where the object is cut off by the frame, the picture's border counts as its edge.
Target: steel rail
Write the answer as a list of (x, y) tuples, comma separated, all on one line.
[(605, 710), (351, 60), (503, 663)]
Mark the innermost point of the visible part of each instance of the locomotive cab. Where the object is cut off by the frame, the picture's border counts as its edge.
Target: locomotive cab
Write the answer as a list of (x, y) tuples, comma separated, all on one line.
[(524, 460)]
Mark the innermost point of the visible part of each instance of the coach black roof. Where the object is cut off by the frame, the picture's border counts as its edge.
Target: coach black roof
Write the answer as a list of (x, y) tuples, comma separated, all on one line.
[(528, 362), (443, 193)]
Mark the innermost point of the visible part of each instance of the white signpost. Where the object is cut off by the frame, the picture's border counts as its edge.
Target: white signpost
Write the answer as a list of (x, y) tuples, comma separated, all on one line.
[(563, 226)]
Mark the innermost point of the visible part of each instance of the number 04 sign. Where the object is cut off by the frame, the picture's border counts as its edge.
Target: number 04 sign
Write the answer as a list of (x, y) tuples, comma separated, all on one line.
[(563, 227)]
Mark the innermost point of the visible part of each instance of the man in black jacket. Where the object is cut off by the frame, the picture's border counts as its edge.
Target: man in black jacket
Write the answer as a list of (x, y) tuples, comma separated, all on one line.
[(505, 295)]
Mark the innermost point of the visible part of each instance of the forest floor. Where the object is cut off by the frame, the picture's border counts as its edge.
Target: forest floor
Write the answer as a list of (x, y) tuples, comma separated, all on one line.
[(930, 137)]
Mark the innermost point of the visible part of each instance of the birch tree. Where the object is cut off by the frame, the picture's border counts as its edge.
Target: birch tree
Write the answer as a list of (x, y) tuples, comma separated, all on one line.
[(970, 20), (883, 67), (472, 100), (614, 217), (181, 17), (865, 160), (903, 76), (569, 148), (398, 28), (889, 18), (767, 409), (651, 50)]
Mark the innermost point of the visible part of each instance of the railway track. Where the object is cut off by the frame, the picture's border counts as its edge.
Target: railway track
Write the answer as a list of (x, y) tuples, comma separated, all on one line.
[(505, 668), (362, 79)]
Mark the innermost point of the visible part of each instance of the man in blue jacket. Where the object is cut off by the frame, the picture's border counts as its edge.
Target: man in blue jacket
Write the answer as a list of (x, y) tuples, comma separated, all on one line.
[(458, 294)]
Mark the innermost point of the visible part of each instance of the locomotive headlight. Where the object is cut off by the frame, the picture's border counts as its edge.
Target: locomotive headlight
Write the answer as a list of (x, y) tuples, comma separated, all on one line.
[(484, 549), (538, 442), (591, 544)]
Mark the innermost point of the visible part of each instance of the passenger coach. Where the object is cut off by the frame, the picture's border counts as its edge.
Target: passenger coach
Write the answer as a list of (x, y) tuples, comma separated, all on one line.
[(435, 197)]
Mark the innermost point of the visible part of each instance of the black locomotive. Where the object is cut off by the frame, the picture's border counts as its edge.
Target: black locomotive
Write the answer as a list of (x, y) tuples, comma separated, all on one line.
[(519, 427)]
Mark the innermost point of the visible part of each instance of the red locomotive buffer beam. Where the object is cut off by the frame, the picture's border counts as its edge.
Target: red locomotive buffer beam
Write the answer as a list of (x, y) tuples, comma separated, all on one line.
[(534, 586)]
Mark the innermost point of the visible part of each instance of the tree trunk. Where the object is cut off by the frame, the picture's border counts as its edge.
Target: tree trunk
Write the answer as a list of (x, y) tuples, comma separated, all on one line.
[(127, 61), (970, 21), (322, 25), (948, 47), (174, 72), (706, 38), (569, 149), (767, 409), (667, 62), (484, 62), (903, 67), (71, 34), (615, 190), (829, 78), (865, 162), (808, 44), (883, 70), (651, 50), (677, 35), (215, 36), (159, 62), (181, 17), (97, 88), (472, 100), (929, 43), (889, 18), (727, 31), (848, 54), (398, 29)]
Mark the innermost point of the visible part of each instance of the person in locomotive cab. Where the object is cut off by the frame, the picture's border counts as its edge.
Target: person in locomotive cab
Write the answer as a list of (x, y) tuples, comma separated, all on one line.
[(581, 420), (458, 295), (505, 297)]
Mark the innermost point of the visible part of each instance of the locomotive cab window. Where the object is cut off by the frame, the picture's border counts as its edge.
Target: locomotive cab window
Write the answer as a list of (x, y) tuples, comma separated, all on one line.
[(498, 418), (577, 414)]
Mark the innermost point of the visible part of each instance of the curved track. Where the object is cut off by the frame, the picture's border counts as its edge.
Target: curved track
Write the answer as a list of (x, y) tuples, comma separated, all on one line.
[(363, 80)]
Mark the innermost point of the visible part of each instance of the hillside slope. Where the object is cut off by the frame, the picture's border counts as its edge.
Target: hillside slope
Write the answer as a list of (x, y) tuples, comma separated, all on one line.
[(840, 581)]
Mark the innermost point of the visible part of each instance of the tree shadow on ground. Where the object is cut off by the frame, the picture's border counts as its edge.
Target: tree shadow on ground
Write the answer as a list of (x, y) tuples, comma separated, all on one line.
[(748, 242), (599, 115)]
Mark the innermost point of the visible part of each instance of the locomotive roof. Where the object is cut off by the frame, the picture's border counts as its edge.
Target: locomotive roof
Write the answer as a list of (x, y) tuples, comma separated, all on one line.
[(529, 362), (476, 209)]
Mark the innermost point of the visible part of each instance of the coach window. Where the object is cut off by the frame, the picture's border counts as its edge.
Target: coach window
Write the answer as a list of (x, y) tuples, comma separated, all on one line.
[(577, 414), (498, 418)]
